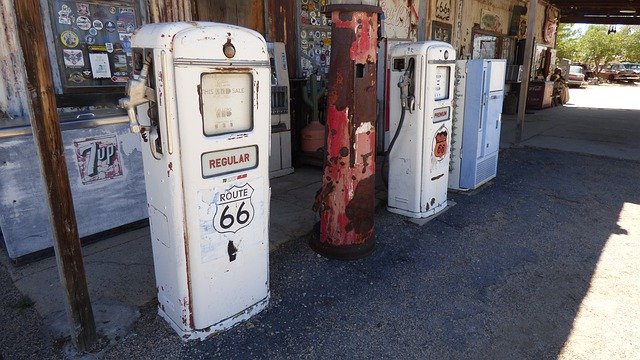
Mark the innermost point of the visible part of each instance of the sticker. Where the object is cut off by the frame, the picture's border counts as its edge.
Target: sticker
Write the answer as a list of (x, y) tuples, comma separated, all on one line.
[(234, 209), (73, 58), (120, 79), (124, 10), (97, 24), (440, 145), (97, 47), (121, 27), (83, 23), (89, 39), (69, 39), (110, 26), (98, 159), (108, 47), (441, 114), (93, 31), (86, 73), (112, 10), (220, 162), (125, 39), (100, 65), (303, 34), (76, 77), (120, 63), (130, 27), (304, 7), (64, 15), (83, 9)]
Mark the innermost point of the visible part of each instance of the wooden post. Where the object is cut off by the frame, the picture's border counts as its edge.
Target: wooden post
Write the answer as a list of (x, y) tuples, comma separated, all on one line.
[(46, 132), (528, 52)]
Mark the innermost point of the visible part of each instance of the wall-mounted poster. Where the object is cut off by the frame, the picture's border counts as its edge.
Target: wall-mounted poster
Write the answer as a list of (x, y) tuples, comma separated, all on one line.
[(441, 31), (93, 41)]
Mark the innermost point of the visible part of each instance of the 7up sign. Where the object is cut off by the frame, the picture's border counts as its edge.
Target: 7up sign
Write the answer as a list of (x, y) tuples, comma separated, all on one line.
[(234, 209)]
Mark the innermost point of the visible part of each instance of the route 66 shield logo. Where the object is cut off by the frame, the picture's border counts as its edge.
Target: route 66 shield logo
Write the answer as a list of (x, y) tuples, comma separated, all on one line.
[(440, 144), (234, 209)]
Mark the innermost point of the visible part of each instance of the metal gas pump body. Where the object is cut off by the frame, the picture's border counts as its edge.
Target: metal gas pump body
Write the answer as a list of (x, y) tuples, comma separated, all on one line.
[(419, 158), (205, 125), (280, 162)]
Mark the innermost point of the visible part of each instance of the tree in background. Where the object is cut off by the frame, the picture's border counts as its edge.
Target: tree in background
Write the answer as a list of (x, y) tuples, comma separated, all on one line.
[(596, 47), (567, 44)]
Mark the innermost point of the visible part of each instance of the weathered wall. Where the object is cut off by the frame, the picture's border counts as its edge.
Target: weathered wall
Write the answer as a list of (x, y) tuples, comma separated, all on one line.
[(245, 13), (400, 19), (281, 27), (170, 10), (13, 80)]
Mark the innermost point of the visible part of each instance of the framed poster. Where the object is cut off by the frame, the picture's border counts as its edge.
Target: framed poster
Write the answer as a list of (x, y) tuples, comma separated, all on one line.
[(441, 31)]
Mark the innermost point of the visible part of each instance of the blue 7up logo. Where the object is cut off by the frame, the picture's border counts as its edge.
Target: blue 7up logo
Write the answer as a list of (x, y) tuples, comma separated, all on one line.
[(234, 209)]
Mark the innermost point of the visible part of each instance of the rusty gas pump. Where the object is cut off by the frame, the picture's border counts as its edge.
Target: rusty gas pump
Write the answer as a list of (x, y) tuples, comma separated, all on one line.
[(346, 200)]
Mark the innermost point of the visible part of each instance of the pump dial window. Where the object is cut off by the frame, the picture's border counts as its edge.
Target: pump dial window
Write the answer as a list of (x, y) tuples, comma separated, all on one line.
[(441, 87), (227, 103)]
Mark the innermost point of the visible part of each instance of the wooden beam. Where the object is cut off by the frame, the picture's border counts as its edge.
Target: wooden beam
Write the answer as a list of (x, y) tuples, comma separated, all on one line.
[(46, 133), (528, 52)]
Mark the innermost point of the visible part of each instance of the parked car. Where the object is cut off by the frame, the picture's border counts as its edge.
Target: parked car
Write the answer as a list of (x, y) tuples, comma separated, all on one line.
[(621, 72), (576, 76)]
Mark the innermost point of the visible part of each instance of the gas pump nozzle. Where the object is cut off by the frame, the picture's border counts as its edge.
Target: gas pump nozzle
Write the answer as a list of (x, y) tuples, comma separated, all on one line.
[(139, 93), (406, 85)]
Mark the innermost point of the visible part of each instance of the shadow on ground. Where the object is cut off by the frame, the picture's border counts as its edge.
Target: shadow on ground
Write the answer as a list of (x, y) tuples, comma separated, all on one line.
[(499, 276)]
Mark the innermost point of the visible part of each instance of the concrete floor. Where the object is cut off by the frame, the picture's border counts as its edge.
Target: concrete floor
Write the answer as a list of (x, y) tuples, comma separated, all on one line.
[(599, 120), (120, 269)]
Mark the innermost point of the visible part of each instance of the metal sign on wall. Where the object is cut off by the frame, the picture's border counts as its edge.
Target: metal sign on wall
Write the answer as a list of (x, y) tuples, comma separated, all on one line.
[(98, 159)]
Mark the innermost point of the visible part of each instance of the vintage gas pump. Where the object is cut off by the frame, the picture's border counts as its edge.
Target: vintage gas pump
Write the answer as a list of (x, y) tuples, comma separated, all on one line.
[(420, 127), (280, 156), (201, 104)]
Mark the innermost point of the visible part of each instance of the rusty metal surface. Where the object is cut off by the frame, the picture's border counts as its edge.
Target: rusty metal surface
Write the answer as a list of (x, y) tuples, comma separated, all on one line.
[(346, 202), (170, 10)]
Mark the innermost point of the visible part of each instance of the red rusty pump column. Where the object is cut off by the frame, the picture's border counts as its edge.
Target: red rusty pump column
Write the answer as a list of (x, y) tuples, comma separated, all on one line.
[(346, 201)]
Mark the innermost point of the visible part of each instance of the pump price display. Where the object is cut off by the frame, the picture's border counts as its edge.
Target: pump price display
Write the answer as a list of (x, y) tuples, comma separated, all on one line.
[(227, 103), (441, 88), (229, 160)]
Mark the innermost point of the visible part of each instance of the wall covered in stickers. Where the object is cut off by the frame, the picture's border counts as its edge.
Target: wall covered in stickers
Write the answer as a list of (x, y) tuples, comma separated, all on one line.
[(314, 38), (93, 42)]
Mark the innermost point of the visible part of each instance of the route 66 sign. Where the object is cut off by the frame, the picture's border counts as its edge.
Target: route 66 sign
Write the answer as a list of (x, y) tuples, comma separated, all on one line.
[(440, 144), (234, 209)]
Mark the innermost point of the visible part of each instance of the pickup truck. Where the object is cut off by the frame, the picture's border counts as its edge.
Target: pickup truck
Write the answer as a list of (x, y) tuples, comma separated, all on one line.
[(629, 72)]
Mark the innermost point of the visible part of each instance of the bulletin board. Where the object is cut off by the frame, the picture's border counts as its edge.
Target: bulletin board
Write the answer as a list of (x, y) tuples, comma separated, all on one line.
[(93, 42), (314, 38)]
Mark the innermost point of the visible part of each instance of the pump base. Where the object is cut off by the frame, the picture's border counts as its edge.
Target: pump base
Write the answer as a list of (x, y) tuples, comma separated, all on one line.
[(341, 252), (187, 334)]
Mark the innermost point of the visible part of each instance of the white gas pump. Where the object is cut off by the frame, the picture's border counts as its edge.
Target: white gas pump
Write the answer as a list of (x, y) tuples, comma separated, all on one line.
[(420, 127), (280, 155), (206, 169)]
